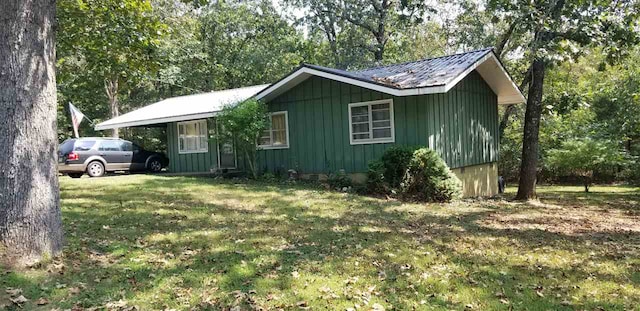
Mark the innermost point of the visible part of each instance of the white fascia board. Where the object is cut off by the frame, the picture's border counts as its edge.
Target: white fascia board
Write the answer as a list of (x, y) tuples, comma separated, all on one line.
[(304, 72), (521, 98), (461, 76), (509, 100), (502, 100), (102, 126)]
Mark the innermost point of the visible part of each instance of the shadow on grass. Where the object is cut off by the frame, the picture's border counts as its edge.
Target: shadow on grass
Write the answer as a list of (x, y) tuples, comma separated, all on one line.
[(184, 242)]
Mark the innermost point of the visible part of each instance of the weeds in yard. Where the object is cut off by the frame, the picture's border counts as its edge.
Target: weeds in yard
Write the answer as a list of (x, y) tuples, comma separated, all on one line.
[(196, 243)]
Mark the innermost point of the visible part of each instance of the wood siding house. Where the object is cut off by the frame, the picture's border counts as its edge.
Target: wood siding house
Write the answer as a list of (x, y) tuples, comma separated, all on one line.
[(325, 120)]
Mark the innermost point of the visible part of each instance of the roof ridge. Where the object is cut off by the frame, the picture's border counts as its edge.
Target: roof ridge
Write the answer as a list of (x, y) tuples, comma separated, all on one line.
[(421, 60)]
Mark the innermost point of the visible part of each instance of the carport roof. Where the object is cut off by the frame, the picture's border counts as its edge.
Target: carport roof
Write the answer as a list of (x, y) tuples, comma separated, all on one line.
[(181, 108)]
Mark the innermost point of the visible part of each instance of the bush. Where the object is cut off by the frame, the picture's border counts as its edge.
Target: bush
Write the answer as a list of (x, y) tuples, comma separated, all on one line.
[(395, 161), (375, 178), (585, 157), (428, 178), (339, 180), (632, 173)]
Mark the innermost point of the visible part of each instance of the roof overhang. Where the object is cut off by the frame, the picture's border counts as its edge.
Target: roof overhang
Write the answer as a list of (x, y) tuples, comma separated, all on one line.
[(114, 125), (181, 108), (489, 67)]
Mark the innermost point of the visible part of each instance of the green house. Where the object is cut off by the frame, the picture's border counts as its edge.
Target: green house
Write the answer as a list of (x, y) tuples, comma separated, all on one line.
[(324, 120)]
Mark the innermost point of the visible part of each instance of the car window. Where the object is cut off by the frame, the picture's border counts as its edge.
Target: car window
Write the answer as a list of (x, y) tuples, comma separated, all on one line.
[(66, 146), (136, 147), (84, 145), (126, 146), (109, 145)]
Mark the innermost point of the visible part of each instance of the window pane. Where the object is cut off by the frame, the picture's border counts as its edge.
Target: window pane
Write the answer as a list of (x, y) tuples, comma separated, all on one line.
[(203, 128), (203, 142), (189, 129), (358, 111), (279, 137), (109, 145), (380, 115), (382, 133), (181, 144), (378, 124), (265, 138), (360, 136), (126, 146), (181, 130), (361, 128), (364, 118), (264, 141), (191, 143), (380, 106), (84, 145), (278, 122)]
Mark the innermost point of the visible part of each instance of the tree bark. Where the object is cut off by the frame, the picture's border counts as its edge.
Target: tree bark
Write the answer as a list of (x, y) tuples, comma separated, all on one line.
[(111, 87), (502, 43), (30, 221), (530, 141)]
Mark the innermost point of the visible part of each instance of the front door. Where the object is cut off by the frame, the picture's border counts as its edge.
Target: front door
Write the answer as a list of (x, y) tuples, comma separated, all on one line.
[(226, 155)]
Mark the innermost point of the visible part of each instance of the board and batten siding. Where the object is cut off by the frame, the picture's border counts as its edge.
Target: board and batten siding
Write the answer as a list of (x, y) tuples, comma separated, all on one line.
[(461, 125), (190, 162)]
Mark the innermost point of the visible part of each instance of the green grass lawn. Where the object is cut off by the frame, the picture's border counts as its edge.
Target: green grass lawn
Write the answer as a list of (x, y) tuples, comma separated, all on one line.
[(183, 243)]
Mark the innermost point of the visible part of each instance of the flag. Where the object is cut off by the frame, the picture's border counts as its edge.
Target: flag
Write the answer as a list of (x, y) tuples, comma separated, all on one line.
[(76, 118)]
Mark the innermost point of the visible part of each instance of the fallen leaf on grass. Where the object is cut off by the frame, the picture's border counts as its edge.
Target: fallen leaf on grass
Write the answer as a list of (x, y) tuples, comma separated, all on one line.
[(295, 274), (303, 305), (13, 291), (42, 301), (19, 300)]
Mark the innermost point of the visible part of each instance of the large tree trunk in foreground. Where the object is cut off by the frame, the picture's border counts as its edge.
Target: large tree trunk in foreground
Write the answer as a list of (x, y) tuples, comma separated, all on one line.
[(530, 141), (30, 223)]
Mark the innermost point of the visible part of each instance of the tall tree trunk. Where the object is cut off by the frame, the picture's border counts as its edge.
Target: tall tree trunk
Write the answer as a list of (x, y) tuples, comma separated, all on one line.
[(111, 88), (30, 222), (530, 141)]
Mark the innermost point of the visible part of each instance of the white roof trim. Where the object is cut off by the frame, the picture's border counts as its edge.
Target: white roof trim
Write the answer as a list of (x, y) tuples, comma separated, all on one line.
[(189, 117), (304, 72), (471, 68), (500, 82)]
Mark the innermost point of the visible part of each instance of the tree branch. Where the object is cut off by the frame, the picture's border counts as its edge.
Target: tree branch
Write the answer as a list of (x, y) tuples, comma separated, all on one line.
[(504, 39)]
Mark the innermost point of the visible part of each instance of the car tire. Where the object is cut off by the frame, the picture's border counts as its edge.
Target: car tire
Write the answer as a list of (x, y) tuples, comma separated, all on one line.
[(154, 165), (95, 169), (75, 175)]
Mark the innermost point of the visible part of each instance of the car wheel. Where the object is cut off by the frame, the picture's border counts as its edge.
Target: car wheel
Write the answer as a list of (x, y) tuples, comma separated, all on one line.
[(75, 175), (95, 169), (154, 165)]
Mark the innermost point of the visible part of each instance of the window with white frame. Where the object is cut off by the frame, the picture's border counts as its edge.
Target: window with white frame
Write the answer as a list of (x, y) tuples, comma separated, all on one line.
[(192, 137), (277, 133), (371, 122)]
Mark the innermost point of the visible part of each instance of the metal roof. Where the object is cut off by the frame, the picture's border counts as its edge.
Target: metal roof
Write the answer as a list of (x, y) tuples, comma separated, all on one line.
[(182, 108), (422, 73), (426, 76)]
